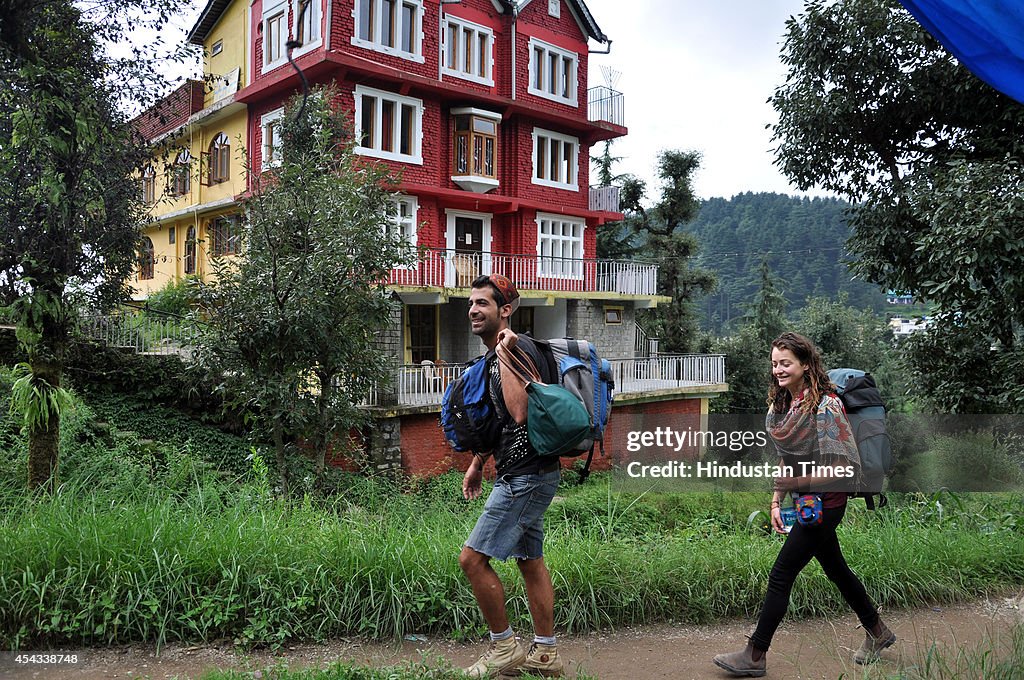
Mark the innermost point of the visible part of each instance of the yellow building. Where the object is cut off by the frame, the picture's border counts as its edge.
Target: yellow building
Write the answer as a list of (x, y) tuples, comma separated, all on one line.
[(199, 135)]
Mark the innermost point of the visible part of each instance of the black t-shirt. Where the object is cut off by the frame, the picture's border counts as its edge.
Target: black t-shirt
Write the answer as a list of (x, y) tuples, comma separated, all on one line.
[(514, 454)]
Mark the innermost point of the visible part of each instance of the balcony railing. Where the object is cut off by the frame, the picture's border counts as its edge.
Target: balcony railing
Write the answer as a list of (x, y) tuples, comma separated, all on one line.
[(604, 103), (604, 199), (454, 269), (425, 385)]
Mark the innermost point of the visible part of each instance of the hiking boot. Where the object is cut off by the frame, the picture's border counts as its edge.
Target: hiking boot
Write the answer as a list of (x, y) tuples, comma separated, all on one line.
[(502, 656), (871, 649), (542, 660), (742, 663)]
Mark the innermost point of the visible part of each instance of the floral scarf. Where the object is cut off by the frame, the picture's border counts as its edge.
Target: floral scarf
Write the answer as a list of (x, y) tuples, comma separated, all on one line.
[(825, 434)]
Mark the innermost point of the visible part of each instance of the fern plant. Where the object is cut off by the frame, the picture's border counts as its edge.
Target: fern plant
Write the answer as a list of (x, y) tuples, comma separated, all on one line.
[(35, 399)]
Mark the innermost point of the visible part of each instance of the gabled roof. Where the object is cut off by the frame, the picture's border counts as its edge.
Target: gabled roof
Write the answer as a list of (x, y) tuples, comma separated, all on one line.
[(207, 20), (579, 9)]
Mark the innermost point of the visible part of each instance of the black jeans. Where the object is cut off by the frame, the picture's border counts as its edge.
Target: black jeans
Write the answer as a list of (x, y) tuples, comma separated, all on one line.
[(803, 543)]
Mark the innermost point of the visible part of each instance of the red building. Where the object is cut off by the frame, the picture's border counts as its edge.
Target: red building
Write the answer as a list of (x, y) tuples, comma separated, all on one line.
[(483, 107)]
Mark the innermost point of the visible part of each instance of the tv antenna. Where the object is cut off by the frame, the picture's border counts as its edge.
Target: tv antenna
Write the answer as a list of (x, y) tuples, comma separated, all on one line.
[(611, 76)]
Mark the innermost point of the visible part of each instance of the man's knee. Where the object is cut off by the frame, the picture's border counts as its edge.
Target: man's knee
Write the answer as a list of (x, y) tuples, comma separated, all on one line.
[(531, 567), (472, 561)]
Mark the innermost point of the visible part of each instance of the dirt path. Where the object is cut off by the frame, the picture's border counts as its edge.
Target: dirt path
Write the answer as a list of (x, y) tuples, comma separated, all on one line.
[(816, 648)]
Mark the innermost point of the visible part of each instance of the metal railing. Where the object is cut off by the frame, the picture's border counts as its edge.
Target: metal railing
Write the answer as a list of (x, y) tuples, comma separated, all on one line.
[(138, 333), (644, 346), (454, 269), (604, 199), (604, 103), (424, 385)]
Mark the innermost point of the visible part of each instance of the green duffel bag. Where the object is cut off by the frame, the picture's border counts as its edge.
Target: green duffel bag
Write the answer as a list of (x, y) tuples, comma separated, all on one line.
[(556, 421)]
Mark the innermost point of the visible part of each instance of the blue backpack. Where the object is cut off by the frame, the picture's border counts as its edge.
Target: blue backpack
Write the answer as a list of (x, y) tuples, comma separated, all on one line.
[(582, 371), (467, 414), (866, 411)]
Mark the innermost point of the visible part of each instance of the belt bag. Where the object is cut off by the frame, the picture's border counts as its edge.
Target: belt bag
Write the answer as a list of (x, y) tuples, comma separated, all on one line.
[(556, 421), (808, 509)]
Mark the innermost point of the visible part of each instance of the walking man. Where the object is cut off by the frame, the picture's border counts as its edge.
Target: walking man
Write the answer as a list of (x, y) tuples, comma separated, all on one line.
[(512, 524)]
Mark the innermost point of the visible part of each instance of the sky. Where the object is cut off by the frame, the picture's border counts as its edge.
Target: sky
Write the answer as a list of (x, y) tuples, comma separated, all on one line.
[(696, 74)]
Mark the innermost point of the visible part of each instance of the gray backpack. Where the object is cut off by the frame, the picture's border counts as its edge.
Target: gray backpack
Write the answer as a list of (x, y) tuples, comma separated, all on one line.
[(866, 411), (582, 371)]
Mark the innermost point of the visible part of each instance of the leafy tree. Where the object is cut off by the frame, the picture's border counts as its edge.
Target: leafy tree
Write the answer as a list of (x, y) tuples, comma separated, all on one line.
[(874, 109), (291, 328), (615, 240), (70, 209), (666, 243)]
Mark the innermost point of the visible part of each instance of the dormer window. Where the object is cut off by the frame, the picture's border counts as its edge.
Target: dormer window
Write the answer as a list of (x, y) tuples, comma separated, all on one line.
[(475, 149)]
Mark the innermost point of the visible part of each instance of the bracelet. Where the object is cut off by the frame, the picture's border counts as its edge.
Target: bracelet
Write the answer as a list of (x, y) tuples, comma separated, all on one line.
[(776, 504)]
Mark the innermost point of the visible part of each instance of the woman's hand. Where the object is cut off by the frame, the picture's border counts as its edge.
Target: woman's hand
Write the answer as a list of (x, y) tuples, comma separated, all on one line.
[(777, 523), (786, 484)]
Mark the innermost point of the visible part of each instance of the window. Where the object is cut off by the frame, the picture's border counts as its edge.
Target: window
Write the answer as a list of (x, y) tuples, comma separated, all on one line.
[(403, 222), (275, 34), (559, 247), (218, 159), (147, 259), (190, 251), (179, 180), (307, 23), (217, 48), (225, 238), (467, 50), (270, 124), (390, 26), (475, 147), (148, 185), (388, 125), (555, 159), (171, 235), (552, 72), (613, 316)]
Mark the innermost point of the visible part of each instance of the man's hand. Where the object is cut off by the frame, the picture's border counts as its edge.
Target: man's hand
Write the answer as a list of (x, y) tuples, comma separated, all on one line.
[(474, 476), (507, 339)]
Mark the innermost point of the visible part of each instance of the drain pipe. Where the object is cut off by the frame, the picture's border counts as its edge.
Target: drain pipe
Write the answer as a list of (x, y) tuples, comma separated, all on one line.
[(515, 16)]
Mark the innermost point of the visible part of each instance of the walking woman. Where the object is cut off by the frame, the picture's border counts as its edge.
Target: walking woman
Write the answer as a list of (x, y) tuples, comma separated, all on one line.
[(808, 424)]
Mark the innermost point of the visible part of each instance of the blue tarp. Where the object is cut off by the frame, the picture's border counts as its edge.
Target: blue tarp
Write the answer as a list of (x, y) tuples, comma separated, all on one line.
[(987, 36)]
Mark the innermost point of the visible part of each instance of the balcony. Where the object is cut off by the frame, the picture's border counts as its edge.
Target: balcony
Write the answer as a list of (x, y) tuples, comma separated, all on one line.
[(606, 104), (453, 269), (604, 199), (425, 385)]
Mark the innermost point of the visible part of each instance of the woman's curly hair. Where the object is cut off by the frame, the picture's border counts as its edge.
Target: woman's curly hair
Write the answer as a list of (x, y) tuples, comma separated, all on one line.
[(815, 377)]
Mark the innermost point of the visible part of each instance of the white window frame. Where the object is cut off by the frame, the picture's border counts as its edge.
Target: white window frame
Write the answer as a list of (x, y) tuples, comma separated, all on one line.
[(548, 49), (271, 11), (552, 264), (375, 43), (266, 160), (416, 157), (316, 21), (574, 171), (406, 225), (478, 32)]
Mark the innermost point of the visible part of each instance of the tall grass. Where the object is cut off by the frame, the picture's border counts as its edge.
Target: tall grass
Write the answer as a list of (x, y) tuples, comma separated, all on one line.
[(206, 564)]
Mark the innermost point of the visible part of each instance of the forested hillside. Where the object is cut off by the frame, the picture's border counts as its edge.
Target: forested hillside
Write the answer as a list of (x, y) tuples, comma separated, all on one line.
[(802, 238)]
